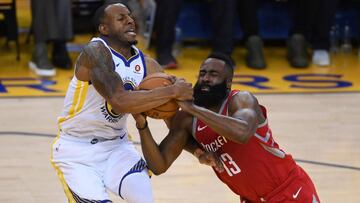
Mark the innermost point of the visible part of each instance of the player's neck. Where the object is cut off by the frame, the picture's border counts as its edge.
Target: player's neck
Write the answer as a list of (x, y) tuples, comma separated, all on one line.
[(124, 50)]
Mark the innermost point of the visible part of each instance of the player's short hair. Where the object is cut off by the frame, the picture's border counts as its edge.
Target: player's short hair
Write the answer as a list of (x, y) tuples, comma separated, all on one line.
[(100, 13), (229, 62), (99, 16)]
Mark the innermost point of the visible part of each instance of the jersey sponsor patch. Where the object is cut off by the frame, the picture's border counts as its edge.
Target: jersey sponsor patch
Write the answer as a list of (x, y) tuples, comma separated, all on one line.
[(137, 68)]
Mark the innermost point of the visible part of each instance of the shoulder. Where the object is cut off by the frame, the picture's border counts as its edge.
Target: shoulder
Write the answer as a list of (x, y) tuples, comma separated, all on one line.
[(244, 96), (93, 54), (243, 99), (152, 65), (246, 102), (93, 51), (95, 47)]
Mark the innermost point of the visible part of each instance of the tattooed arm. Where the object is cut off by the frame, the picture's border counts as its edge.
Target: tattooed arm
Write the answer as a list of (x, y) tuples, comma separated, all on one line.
[(95, 64)]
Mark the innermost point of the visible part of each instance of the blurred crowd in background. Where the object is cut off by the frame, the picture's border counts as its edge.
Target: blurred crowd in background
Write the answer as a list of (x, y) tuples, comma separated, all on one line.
[(312, 35)]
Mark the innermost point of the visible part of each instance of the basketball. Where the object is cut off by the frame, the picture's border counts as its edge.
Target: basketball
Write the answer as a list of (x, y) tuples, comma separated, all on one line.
[(159, 80)]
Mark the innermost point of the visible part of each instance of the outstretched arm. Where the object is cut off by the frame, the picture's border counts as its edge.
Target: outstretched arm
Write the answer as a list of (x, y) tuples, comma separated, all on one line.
[(95, 64), (241, 123), (160, 157)]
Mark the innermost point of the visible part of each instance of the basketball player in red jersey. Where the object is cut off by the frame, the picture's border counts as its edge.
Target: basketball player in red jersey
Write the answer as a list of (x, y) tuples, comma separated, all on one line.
[(233, 125)]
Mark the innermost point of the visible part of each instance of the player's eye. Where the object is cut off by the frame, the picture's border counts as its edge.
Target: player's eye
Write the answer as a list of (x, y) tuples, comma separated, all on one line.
[(120, 17)]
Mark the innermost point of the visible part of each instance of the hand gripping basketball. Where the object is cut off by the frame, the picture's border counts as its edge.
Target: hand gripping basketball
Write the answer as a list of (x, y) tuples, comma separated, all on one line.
[(166, 110)]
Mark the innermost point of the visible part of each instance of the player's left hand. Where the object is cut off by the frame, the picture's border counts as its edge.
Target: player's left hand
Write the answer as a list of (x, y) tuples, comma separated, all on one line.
[(210, 159)]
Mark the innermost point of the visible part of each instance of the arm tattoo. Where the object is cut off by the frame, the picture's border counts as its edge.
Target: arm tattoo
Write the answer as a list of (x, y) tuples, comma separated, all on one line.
[(101, 68)]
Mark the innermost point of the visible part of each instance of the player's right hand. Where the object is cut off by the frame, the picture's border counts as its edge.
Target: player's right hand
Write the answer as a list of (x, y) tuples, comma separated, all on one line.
[(183, 90), (210, 159), (140, 119)]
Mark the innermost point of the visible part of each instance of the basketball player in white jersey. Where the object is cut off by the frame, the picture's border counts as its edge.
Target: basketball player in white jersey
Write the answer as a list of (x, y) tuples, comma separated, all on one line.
[(92, 153)]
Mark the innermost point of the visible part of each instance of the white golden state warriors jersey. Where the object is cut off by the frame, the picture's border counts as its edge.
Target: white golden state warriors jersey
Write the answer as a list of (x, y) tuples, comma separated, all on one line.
[(87, 114)]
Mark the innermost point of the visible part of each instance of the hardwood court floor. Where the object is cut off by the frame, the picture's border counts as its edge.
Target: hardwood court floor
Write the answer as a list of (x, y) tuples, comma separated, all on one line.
[(320, 128)]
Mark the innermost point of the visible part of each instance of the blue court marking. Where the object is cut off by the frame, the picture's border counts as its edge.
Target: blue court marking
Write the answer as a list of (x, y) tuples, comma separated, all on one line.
[(334, 165)]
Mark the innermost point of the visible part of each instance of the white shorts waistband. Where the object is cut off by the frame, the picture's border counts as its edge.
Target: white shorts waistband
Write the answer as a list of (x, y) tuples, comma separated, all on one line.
[(92, 139)]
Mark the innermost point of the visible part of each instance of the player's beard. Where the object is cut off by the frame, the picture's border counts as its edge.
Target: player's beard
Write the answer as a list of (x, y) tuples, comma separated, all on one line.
[(129, 42), (213, 97), (126, 41), (133, 42)]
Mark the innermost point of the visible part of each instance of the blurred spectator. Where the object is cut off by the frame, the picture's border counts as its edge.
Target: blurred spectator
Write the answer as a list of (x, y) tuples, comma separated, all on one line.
[(224, 12), (51, 22), (223, 16), (312, 20), (167, 13)]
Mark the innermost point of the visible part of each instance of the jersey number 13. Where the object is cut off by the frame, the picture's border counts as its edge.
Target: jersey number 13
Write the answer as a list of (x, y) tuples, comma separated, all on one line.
[(231, 167)]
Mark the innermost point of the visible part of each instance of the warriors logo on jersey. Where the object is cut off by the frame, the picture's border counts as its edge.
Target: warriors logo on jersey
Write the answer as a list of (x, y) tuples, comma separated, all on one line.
[(109, 114), (108, 111), (128, 84)]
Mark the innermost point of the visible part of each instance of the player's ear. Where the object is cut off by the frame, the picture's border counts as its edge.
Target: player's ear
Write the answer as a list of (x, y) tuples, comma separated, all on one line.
[(229, 83), (103, 29)]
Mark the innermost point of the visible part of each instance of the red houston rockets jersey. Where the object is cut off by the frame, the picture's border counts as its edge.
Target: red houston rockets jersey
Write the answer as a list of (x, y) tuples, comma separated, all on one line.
[(252, 170)]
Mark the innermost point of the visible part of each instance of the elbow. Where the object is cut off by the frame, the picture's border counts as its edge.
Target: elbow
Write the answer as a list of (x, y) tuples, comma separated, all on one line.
[(158, 171), (245, 138), (156, 166), (247, 131), (243, 135), (118, 106)]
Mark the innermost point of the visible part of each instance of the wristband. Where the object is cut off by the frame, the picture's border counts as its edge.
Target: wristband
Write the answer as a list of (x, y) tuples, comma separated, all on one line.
[(143, 128)]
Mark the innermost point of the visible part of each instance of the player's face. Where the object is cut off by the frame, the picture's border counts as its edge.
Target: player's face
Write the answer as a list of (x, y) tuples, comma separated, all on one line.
[(212, 72), (211, 87), (121, 25)]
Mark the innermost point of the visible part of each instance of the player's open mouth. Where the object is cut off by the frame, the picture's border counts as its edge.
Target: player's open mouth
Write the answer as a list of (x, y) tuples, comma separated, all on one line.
[(205, 88), (131, 32)]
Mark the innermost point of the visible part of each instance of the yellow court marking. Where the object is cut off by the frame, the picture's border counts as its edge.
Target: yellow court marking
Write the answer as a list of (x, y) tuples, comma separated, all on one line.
[(16, 80)]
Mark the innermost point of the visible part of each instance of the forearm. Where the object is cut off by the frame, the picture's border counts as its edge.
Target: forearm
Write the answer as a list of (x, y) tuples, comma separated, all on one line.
[(141, 101), (191, 145), (160, 157), (231, 128), (193, 148), (155, 160)]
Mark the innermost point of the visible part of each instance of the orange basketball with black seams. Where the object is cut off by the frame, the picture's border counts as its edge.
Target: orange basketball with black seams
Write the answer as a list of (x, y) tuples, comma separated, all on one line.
[(153, 81)]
